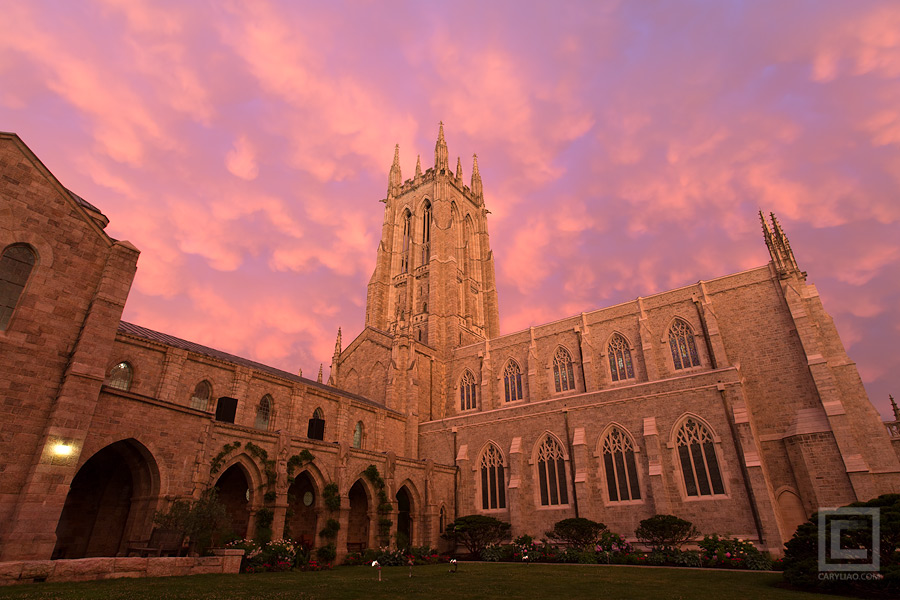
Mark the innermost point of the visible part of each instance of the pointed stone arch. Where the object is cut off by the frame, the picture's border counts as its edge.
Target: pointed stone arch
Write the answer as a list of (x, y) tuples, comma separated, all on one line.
[(408, 508), (362, 503), (791, 510), (620, 353), (562, 370), (351, 381), (239, 484), (684, 349), (468, 390), (697, 456), (305, 501), (117, 488), (490, 470), (550, 462), (378, 382), (511, 376), (618, 465)]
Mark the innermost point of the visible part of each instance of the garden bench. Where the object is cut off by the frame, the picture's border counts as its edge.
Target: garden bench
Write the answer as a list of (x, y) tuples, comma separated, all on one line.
[(163, 542), (355, 546)]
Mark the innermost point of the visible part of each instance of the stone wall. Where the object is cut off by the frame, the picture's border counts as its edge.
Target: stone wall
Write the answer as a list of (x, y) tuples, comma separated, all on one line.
[(90, 569)]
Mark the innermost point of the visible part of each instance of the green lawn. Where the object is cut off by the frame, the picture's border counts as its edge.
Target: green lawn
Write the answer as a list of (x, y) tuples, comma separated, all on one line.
[(476, 580)]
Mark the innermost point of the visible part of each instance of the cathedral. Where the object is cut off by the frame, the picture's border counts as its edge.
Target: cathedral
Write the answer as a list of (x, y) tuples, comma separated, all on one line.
[(730, 402)]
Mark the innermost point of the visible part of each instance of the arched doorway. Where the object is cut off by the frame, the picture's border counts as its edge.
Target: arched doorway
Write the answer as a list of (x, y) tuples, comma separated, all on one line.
[(358, 523), (304, 502), (110, 502), (234, 493), (404, 518)]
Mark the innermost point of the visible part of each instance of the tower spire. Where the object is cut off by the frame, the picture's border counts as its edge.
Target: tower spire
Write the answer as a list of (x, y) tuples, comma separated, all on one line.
[(418, 166), (894, 408), (458, 168), (394, 178), (779, 246), (441, 159), (319, 378), (333, 378), (477, 190)]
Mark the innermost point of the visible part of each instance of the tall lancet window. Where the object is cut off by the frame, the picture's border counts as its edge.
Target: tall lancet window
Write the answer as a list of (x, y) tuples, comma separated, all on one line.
[(552, 473), (699, 463), (512, 381), (563, 373), (620, 467), (404, 251), (467, 391), (493, 483), (426, 234), (620, 359), (684, 349), (264, 413)]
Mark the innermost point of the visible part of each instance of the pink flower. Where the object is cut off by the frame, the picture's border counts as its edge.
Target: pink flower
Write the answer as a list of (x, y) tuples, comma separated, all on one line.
[(728, 554)]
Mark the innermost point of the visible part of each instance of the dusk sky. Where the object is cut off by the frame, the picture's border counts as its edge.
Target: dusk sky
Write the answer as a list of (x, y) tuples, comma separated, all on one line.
[(625, 149)]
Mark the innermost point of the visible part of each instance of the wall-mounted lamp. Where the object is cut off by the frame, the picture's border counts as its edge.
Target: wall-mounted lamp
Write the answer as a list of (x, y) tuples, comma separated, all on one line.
[(62, 449)]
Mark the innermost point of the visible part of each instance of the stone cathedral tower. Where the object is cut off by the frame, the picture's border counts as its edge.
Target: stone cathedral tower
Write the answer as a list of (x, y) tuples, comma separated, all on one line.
[(434, 274), (433, 290)]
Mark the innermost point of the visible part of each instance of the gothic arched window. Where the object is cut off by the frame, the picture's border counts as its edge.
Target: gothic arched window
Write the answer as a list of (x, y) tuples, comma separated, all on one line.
[(120, 376), (316, 428), (563, 372), (552, 473), (16, 264), (467, 391), (201, 395), (620, 366), (684, 349), (493, 483), (426, 233), (512, 381), (404, 251), (697, 455), (358, 435), (620, 467), (264, 412)]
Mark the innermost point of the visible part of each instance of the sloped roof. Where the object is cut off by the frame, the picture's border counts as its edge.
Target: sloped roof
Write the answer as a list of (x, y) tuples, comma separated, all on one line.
[(170, 340), (84, 202)]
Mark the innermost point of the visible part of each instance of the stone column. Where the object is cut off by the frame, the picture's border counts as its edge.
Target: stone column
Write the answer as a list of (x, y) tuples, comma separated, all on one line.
[(654, 461)]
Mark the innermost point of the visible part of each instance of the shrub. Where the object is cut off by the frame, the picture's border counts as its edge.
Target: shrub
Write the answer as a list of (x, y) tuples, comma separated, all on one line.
[(425, 555), (665, 532), (732, 554), (688, 558), (579, 532), (612, 548), (326, 554), (476, 532), (204, 520), (801, 552), (497, 553)]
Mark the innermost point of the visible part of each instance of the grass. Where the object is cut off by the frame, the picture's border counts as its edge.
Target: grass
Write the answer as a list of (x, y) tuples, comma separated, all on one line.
[(473, 580)]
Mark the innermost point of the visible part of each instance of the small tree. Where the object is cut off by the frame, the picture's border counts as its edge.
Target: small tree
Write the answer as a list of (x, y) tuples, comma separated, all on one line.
[(665, 532), (476, 532), (204, 520), (578, 532), (801, 556)]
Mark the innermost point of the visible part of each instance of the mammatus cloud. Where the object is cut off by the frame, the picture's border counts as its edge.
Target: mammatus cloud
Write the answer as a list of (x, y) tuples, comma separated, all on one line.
[(625, 149)]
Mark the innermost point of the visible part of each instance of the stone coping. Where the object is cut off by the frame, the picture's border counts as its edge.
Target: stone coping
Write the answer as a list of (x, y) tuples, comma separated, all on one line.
[(90, 569)]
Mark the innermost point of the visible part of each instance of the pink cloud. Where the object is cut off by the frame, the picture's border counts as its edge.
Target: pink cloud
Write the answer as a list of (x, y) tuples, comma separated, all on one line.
[(625, 149)]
